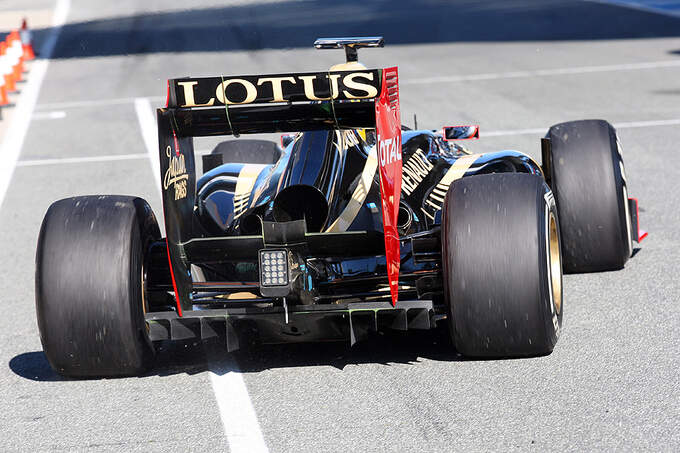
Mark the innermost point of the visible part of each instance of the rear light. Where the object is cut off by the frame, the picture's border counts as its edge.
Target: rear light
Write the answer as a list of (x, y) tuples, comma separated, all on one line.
[(273, 268)]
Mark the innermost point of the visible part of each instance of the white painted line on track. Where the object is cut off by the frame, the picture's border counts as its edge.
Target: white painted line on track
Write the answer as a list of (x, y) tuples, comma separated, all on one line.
[(442, 79), (668, 8), (542, 130), (236, 410), (147, 123), (49, 115), (634, 124), (545, 72), (501, 133), (94, 103), (537, 130), (90, 159), (238, 415), (16, 131), (80, 160)]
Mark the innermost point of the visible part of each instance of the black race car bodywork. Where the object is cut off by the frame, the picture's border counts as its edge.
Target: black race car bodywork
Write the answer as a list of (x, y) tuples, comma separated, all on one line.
[(321, 203), (357, 225)]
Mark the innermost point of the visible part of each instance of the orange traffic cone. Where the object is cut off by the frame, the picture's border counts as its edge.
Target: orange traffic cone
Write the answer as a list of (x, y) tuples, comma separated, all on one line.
[(17, 54), (3, 92), (6, 67), (25, 35)]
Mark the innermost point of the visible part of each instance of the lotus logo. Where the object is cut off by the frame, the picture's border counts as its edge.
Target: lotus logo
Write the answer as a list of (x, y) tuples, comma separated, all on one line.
[(283, 88)]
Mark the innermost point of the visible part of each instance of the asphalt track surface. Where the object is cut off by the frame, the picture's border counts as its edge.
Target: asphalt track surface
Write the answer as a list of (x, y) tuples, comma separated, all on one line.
[(515, 67)]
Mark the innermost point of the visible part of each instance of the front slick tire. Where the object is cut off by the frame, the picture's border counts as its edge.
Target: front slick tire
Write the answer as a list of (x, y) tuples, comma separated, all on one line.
[(501, 265), (89, 285), (589, 183)]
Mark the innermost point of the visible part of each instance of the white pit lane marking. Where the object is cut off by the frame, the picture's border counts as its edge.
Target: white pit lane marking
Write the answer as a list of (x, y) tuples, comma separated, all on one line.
[(543, 130), (56, 115), (80, 160), (417, 81), (147, 124), (238, 415), (16, 132), (666, 8), (89, 159), (544, 72), (236, 410), (502, 133), (93, 103)]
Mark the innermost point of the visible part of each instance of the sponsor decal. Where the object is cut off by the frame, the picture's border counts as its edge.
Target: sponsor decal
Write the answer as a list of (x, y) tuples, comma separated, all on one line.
[(344, 85), (624, 189), (176, 174), (390, 150), (549, 198), (435, 200), (415, 169), (346, 139), (619, 148)]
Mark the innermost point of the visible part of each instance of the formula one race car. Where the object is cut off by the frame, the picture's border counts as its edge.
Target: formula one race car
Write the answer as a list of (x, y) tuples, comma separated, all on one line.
[(331, 237)]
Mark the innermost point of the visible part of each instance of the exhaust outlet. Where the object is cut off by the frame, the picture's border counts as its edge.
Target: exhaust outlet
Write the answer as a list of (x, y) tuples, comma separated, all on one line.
[(404, 217), (251, 224), (301, 202)]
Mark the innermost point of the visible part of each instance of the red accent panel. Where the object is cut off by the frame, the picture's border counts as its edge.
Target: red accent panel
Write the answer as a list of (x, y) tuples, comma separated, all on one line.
[(284, 136), (172, 273), (167, 96), (174, 137), (476, 137), (388, 129), (172, 276)]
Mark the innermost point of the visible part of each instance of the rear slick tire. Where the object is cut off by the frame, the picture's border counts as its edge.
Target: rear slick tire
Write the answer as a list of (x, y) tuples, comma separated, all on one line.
[(501, 265), (89, 285)]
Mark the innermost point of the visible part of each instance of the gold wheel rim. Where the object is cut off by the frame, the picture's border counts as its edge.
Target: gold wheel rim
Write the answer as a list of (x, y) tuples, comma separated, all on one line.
[(555, 263), (145, 307)]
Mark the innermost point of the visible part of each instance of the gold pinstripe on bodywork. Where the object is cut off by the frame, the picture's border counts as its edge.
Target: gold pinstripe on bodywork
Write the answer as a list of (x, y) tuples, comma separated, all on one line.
[(244, 185), (435, 199), (350, 212)]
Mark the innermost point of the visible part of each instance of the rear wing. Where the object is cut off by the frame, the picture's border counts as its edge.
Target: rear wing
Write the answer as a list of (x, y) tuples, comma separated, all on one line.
[(275, 103), (234, 105)]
